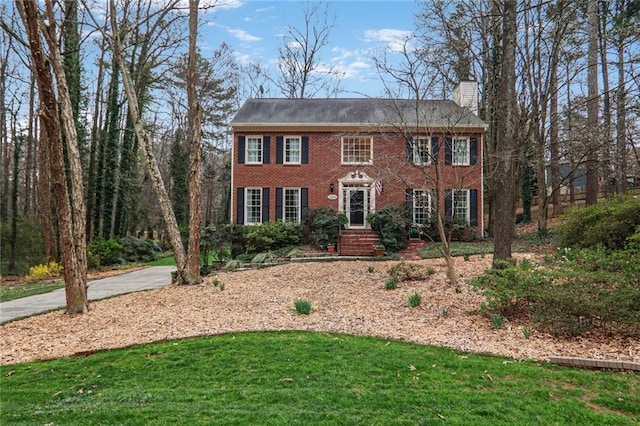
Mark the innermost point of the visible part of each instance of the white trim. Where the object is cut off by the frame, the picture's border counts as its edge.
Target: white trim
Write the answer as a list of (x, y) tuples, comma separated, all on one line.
[(417, 159), (284, 149), (246, 206), (246, 149), (467, 162), (298, 207), (342, 159)]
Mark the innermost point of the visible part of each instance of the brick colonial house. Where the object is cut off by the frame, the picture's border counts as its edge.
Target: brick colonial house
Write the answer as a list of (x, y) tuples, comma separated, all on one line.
[(357, 155)]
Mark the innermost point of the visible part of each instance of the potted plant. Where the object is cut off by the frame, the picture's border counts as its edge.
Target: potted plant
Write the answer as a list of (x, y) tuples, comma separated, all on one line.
[(379, 249)]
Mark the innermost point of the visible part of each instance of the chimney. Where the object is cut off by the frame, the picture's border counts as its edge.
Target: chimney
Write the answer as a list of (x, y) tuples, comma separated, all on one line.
[(466, 95)]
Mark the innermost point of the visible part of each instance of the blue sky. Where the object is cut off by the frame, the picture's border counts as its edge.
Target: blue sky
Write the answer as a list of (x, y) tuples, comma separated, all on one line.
[(254, 29)]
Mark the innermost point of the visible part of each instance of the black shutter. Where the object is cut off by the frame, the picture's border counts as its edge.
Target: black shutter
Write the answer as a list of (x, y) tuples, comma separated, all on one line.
[(473, 207), (304, 203), (448, 203), (448, 152), (279, 149), (240, 205), (241, 149), (279, 203), (435, 148), (266, 149), (305, 150), (408, 197), (265, 205), (473, 151), (409, 148)]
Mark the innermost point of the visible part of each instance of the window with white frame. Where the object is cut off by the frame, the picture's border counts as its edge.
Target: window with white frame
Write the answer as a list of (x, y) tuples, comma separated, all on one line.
[(460, 152), (421, 206), (291, 205), (292, 149), (460, 199), (422, 151), (253, 205), (254, 149), (357, 150)]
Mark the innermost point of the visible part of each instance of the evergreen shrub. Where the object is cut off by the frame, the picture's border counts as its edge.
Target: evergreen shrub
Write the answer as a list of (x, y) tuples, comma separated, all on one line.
[(271, 236)]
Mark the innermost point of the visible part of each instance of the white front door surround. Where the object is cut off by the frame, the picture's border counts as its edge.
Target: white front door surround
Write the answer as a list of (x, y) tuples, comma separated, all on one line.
[(357, 198)]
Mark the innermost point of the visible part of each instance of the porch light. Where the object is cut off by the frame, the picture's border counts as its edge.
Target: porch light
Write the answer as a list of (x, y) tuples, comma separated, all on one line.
[(331, 187)]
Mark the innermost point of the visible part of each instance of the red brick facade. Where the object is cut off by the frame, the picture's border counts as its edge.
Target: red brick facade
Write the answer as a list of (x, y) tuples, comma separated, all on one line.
[(325, 180)]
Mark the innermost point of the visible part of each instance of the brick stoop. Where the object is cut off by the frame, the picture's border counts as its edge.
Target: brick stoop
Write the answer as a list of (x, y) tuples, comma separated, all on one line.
[(411, 251), (359, 242)]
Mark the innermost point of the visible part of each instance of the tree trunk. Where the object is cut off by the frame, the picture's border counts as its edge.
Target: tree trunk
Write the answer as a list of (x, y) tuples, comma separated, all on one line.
[(504, 202), (152, 166), (192, 272), (621, 124), (592, 105), (71, 229)]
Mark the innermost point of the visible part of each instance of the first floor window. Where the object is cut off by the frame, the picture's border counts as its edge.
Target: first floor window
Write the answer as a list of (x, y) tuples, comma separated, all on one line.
[(254, 149), (357, 150), (421, 206), (461, 204), (460, 152), (253, 206), (291, 205)]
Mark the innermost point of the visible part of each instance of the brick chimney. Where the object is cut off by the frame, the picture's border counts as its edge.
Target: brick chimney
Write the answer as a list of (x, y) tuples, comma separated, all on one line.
[(466, 95)]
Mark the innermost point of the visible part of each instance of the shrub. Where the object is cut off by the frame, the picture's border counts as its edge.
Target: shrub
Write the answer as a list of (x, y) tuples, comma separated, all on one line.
[(44, 271), (322, 226), (139, 249), (271, 236), (391, 284), (404, 271), (224, 241), (584, 292), (609, 224), (303, 307), (104, 252), (392, 223), (29, 248), (415, 299)]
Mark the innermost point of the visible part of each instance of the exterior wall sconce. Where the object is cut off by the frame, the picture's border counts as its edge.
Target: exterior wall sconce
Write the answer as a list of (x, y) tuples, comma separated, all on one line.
[(331, 187)]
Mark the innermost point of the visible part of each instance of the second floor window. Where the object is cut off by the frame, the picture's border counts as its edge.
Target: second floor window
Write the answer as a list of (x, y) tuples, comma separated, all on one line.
[(292, 150), (357, 150), (254, 149), (421, 151), (460, 151)]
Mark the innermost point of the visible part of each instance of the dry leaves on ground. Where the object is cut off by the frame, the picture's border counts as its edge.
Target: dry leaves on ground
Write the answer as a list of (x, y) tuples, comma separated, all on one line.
[(346, 298)]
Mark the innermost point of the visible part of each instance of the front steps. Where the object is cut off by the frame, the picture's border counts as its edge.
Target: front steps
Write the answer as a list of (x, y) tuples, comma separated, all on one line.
[(357, 242)]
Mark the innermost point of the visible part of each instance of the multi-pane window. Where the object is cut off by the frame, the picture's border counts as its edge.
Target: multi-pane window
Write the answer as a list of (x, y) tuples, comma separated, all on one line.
[(254, 149), (291, 205), (460, 151), (421, 151), (421, 206), (253, 205), (292, 149), (357, 149), (461, 204)]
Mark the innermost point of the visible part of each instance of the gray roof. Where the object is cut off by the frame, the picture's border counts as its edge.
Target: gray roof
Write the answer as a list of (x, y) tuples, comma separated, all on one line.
[(355, 112)]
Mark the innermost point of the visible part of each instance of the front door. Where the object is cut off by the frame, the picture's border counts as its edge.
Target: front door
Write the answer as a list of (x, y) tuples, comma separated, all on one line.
[(356, 206)]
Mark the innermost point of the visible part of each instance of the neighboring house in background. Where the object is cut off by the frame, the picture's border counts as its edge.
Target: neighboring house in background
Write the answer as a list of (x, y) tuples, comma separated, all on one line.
[(357, 155)]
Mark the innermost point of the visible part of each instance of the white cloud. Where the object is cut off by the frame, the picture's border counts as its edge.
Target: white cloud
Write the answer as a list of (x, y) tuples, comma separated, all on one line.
[(393, 39), (242, 35)]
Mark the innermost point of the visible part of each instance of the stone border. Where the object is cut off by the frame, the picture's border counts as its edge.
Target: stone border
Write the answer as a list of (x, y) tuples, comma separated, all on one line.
[(601, 364)]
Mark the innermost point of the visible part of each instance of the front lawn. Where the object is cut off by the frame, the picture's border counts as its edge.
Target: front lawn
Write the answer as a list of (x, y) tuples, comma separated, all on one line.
[(11, 291), (309, 378)]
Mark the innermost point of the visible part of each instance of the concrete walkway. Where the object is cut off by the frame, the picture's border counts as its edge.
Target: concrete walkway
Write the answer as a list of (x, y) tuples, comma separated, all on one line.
[(143, 279)]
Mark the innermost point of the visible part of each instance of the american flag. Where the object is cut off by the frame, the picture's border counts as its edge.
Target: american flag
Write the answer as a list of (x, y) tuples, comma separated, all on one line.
[(378, 183)]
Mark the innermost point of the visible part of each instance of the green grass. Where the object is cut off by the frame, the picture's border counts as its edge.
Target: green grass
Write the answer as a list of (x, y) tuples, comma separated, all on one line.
[(11, 292), (309, 378), (163, 261)]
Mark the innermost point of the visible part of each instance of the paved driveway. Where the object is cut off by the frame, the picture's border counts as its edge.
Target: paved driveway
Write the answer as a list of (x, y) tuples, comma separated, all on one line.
[(143, 279)]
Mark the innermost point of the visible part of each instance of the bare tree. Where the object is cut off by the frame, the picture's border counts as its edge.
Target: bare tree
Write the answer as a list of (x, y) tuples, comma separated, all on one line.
[(302, 75), (192, 270), (506, 147), (592, 101), (70, 206)]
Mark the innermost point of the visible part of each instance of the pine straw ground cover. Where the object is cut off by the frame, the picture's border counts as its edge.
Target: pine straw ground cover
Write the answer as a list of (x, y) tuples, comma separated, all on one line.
[(346, 297)]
